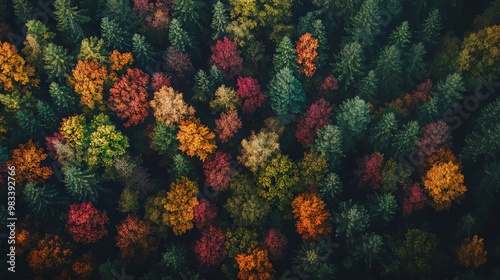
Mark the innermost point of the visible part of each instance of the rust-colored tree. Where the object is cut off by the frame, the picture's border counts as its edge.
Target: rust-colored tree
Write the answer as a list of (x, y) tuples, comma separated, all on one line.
[(472, 253), (85, 223), (83, 267), (196, 139), (313, 219), (217, 171), (444, 184), (159, 80), (50, 254), (255, 265), (128, 97), (307, 54), (27, 159), (210, 248), (135, 238), (179, 205), (227, 125)]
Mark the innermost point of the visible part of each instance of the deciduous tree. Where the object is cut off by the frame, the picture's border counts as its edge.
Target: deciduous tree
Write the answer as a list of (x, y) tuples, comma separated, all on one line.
[(227, 58), (88, 80), (250, 93), (15, 75), (169, 107), (85, 223), (50, 254), (27, 159), (472, 253), (313, 219), (204, 213), (217, 171), (210, 248), (227, 125), (196, 139), (307, 54), (275, 242), (135, 238), (255, 265), (444, 184), (179, 205), (316, 117)]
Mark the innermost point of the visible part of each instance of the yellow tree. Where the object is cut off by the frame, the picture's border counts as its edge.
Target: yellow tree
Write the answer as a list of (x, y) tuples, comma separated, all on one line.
[(15, 74), (313, 219), (255, 265), (445, 183), (179, 205), (27, 159), (472, 252), (169, 107), (196, 139), (88, 81)]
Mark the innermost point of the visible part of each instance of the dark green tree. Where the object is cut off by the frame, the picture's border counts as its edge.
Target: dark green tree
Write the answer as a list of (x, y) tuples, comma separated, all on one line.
[(191, 15), (287, 96), (401, 36), (415, 64), (368, 86), (351, 220), (285, 56), (349, 65), (46, 115), (368, 248), (388, 68), (174, 258), (202, 87), (429, 30), (178, 36), (365, 25), (449, 92), (219, 21), (28, 123), (64, 99), (142, 50), (406, 139), (69, 20), (24, 10), (57, 62), (329, 144), (81, 184), (113, 35), (41, 199), (164, 139), (353, 118), (382, 207), (120, 12), (181, 166), (331, 187), (382, 133)]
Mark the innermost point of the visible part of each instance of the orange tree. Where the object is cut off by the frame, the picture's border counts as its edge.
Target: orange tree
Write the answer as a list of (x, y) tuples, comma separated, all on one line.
[(255, 265), (307, 54), (472, 252), (444, 183), (179, 205), (88, 81), (27, 159), (134, 238), (313, 219), (15, 74), (196, 139), (50, 254)]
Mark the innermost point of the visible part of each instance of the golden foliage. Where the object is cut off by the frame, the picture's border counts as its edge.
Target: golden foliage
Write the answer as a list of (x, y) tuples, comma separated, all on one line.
[(444, 183), (169, 107), (472, 252), (179, 205), (88, 81), (15, 74), (255, 266), (196, 139), (27, 160), (313, 219), (259, 150)]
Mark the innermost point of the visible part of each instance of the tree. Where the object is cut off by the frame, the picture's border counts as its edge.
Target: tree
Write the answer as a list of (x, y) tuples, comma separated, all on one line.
[(388, 68), (87, 80), (202, 86), (83, 267), (204, 213), (128, 201), (401, 36), (169, 107), (313, 219), (418, 253), (369, 170), (141, 49), (430, 28), (81, 184), (15, 75), (217, 171), (329, 143), (191, 15), (330, 83), (250, 94), (113, 34), (444, 183), (258, 150), (41, 199), (394, 175), (227, 125), (352, 219), (179, 205), (92, 49), (434, 136), (414, 199), (415, 62), (23, 10), (331, 187), (178, 63), (159, 80), (225, 100), (178, 37), (210, 249), (119, 61), (317, 116), (163, 139), (227, 58), (471, 252), (353, 119), (285, 56), (219, 21), (349, 65), (50, 254), (128, 97), (57, 62), (449, 92), (306, 49), (287, 95), (155, 14), (311, 258), (406, 139), (240, 241), (69, 19), (27, 158), (135, 238), (382, 207), (369, 248), (196, 139), (255, 265), (365, 25), (275, 242), (85, 223), (314, 168), (245, 206)]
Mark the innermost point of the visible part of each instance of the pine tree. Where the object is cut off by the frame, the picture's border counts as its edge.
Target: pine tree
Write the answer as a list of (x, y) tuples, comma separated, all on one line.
[(365, 25), (401, 36), (41, 199), (285, 56), (142, 49), (383, 132), (368, 86), (57, 62), (368, 248), (449, 92), (113, 35), (191, 15), (81, 184), (331, 187), (28, 123), (349, 64), (23, 11), (178, 37), (414, 63), (406, 139), (352, 219), (389, 68), (202, 86), (329, 144), (219, 21), (353, 119), (46, 115), (64, 99), (429, 30), (287, 96), (69, 19), (120, 12), (382, 207)]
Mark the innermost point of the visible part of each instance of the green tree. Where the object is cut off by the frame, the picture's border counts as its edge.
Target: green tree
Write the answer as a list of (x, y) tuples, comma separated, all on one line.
[(23, 11), (369, 248), (368, 86), (178, 37), (57, 62), (401, 36), (28, 123), (142, 50), (202, 87), (415, 64), (382, 207), (92, 49), (311, 256), (388, 68), (309, 24), (64, 99), (352, 219), (113, 35), (69, 19), (81, 184), (382, 133), (449, 92), (181, 166), (349, 65), (285, 56), (429, 30), (329, 144), (353, 119), (191, 15), (42, 199), (46, 115), (406, 139), (287, 96), (331, 187), (119, 11), (164, 139), (219, 21), (365, 25), (128, 201)]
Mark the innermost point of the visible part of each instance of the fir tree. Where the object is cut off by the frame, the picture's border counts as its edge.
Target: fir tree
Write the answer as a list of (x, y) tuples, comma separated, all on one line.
[(64, 99), (46, 115), (329, 143), (429, 30), (202, 87), (349, 64), (331, 187), (285, 56), (414, 63), (449, 92), (368, 248), (69, 19), (219, 21), (120, 12), (81, 184), (191, 15), (401, 36), (178, 37), (406, 139), (367, 87), (383, 131), (287, 96), (57, 62), (365, 25), (382, 207), (92, 49), (389, 68), (41, 199), (23, 11), (113, 35), (352, 219), (142, 49), (353, 119), (28, 123)]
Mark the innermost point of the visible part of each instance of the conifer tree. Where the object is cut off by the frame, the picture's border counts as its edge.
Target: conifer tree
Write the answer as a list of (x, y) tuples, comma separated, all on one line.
[(287, 96), (113, 35), (57, 62), (329, 143), (41, 199), (414, 63), (202, 87), (81, 184), (382, 133), (351, 219), (63, 97), (69, 19), (219, 21), (178, 36), (141, 49), (401, 36), (365, 25), (388, 69), (368, 86), (191, 15), (46, 115), (120, 12), (285, 56), (23, 11), (349, 65), (28, 123), (406, 139), (353, 119), (429, 30)]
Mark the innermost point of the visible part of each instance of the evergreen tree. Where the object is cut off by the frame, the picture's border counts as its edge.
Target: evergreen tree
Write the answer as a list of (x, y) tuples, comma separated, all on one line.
[(202, 87), (287, 96), (28, 123), (414, 65), (368, 248), (406, 139), (449, 92), (23, 11), (329, 143), (81, 184), (163, 139), (181, 166), (429, 30), (382, 207), (69, 19), (142, 50), (331, 187), (57, 62), (46, 115), (92, 49), (64, 99), (178, 37), (349, 64), (353, 119), (401, 36), (285, 56), (215, 77), (389, 68), (191, 15), (120, 12), (219, 21), (351, 219), (365, 25), (41, 199), (113, 35), (383, 132), (367, 87)]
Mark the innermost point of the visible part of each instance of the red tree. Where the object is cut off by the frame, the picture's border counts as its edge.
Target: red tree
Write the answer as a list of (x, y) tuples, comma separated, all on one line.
[(329, 84), (249, 91), (227, 58), (204, 213), (135, 238), (178, 63), (227, 125), (434, 136), (128, 97), (156, 14), (370, 170), (317, 116), (159, 80), (275, 242), (85, 223), (218, 171), (210, 248), (414, 198), (51, 141)]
